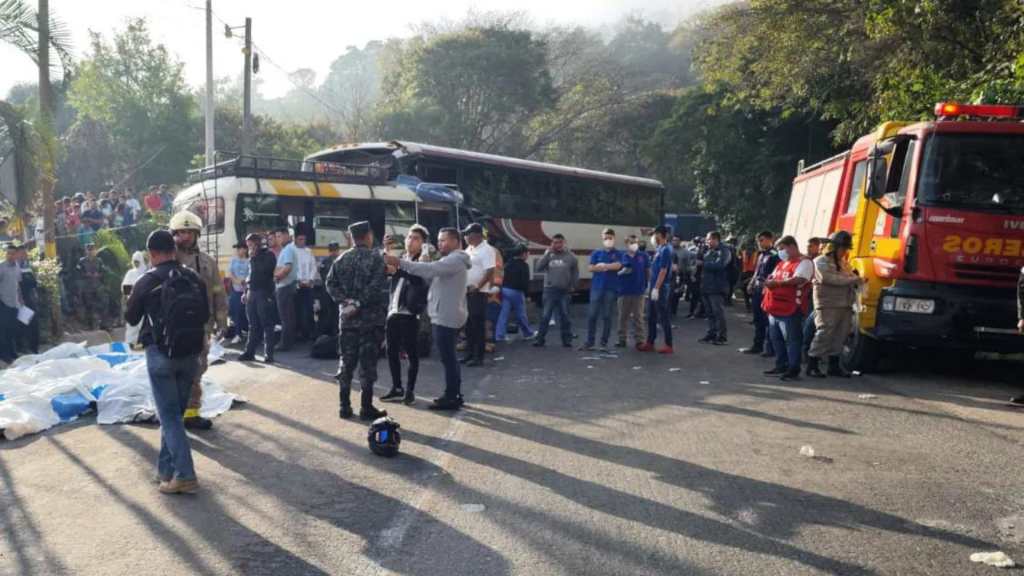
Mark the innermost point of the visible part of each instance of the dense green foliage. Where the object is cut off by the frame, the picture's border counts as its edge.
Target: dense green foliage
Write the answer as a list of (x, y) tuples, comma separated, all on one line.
[(721, 108)]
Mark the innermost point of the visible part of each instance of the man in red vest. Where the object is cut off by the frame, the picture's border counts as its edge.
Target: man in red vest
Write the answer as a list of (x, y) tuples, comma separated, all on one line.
[(787, 294)]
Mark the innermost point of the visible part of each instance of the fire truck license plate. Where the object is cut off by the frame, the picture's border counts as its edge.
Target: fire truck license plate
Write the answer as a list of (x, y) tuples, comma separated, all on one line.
[(915, 305)]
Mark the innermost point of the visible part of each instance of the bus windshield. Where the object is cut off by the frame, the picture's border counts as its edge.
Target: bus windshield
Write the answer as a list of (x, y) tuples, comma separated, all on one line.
[(978, 171)]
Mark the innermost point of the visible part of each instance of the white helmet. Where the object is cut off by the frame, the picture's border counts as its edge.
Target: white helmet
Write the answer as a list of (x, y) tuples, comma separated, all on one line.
[(185, 220)]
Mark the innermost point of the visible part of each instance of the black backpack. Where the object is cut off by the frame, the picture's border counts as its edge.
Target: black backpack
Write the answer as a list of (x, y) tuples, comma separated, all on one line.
[(180, 330)]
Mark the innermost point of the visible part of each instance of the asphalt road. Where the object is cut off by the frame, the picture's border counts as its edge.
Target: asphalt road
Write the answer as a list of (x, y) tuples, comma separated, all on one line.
[(560, 464)]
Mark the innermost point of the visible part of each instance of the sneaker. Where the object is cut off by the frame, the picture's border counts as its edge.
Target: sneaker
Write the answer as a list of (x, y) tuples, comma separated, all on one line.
[(371, 413), (409, 398), (198, 423), (345, 412), (719, 342), (446, 404), (246, 358), (790, 376), (538, 344), (752, 351), (707, 339), (394, 395), (645, 347), (179, 486), (666, 350), (775, 372)]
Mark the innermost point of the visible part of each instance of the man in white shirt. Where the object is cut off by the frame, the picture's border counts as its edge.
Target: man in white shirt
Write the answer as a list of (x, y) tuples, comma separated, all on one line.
[(483, 259), (305, 264)]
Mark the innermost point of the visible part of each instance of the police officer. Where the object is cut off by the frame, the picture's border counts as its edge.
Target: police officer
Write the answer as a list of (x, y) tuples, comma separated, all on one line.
[(260, 304), (91, 272), (358, 283), (186, 227), (835, 291)]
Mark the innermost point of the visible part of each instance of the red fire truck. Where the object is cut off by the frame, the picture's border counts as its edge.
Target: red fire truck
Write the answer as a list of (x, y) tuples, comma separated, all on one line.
[(936, 210)]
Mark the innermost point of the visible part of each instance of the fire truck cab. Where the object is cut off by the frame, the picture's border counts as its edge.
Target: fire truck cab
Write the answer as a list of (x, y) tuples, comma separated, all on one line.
[(936, 210)]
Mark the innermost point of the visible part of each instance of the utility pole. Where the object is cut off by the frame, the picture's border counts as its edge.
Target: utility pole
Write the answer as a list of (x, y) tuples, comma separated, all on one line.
[(49, 168), (210, 147), (247, 96)]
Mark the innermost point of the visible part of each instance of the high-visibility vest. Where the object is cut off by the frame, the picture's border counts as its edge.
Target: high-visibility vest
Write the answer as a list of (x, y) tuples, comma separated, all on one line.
[(786, 300)]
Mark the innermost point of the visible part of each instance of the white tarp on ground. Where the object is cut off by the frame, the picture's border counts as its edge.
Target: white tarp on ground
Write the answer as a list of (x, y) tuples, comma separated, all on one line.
[(43, 390)]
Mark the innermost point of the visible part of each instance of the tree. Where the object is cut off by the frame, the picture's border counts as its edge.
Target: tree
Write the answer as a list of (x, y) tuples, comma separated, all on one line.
[(482, 85), (137, 90)]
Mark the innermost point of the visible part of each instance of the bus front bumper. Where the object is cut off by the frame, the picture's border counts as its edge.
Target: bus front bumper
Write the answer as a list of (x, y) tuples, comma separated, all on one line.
[(925, 315)]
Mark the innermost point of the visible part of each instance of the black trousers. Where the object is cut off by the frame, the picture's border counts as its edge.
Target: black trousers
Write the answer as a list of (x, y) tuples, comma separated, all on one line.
[(402, 332), (304, 313), (476, 326), (261, 309), (8, 332)]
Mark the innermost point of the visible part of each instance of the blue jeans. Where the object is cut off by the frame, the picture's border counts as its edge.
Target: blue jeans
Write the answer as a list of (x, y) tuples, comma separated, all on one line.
[(171, 381), (787, 339), (602, 307), (659, 312), (556, 300), (445, 338), (236, 310), (809, 330), (513, 301)]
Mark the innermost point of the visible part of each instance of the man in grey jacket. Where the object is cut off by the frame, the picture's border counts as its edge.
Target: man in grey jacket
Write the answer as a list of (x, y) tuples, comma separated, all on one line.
[(446, 304), (561, 272)]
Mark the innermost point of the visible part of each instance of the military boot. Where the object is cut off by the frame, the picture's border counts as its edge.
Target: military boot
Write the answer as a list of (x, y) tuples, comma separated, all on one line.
[(814, 368), (835, 368)]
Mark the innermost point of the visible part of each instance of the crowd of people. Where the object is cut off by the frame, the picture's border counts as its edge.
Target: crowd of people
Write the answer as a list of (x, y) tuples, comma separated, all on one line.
[(86, 213)]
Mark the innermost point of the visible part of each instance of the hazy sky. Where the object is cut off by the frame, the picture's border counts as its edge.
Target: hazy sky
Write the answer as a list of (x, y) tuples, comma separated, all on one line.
[(307, 33)]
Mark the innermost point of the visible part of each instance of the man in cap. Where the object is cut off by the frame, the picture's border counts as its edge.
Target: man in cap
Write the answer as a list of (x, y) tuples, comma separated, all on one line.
[(483, 260), (10, 302), (260, 305), (358, 283), (91, 271), (185, 228), (170, 375), (327, 320)]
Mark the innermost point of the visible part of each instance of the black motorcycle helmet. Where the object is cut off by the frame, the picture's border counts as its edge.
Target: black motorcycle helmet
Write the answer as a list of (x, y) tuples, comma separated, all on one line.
[(383, 437)]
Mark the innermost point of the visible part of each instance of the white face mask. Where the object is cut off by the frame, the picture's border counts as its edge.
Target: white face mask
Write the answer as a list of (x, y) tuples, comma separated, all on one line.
[(654, 240), (609, 243), (634, 247), (783, 255)]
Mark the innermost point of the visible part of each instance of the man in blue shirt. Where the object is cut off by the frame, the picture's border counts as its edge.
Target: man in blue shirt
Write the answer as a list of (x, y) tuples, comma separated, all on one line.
[(658, 309), (286, 277), (604, 290), (632, 286)]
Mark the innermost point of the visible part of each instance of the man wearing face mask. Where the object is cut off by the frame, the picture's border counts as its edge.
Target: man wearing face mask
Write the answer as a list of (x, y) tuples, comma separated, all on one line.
[(632, 284), (604, 290), (786, 300), (658, 307)]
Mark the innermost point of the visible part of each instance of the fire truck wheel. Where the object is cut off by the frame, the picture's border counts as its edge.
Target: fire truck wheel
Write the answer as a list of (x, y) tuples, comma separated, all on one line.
[(861, 352)]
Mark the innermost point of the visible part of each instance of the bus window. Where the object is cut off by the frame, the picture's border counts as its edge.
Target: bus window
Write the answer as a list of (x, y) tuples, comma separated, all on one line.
[(400, 214), (203, 207), (331, 221), (551, 198), (648, 207), (257, 213)]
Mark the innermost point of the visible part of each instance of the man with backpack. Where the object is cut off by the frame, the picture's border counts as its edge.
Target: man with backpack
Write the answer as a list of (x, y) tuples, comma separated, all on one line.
[(171, 303), (185, 228)]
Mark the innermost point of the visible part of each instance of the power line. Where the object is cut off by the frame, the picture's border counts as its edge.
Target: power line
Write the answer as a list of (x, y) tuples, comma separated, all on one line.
[(327, 107)]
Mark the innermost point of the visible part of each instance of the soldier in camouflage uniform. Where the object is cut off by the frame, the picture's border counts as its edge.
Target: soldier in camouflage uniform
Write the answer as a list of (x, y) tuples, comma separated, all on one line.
[(358, 283)]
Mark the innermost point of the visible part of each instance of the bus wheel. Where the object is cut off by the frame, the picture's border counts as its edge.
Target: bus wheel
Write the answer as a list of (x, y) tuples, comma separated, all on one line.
[(861, 352)]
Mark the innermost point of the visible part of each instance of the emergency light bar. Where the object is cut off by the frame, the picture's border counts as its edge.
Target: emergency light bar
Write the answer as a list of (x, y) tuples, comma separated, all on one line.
[(952, 109)]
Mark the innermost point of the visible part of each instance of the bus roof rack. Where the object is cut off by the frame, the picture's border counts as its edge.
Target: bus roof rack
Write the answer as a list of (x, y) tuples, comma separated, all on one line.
[(287, 169)]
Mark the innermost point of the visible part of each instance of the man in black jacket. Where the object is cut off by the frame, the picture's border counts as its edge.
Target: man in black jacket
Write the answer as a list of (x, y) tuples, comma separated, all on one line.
[(513, 295), (260, 304), (170, 378), (408, 301)]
